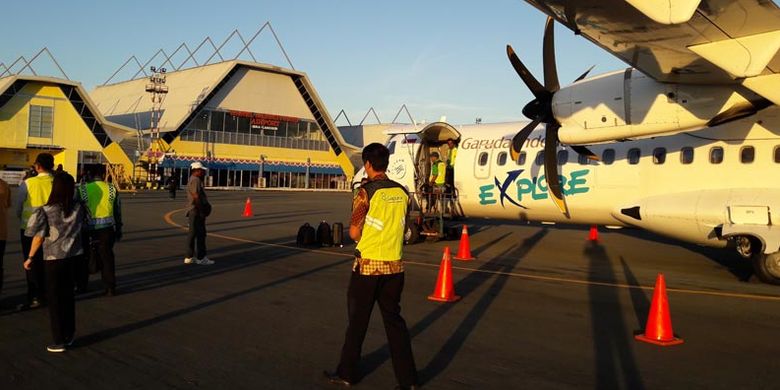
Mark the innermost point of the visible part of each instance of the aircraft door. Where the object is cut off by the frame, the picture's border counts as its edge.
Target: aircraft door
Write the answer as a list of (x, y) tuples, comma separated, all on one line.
[(401, 165), (482, 163)]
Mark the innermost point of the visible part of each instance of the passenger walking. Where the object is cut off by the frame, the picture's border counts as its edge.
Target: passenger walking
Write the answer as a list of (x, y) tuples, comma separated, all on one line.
[(377, 225), (33, 193), (5, 203), (104, 227), (57, 225), (198, 208), (173, 185)]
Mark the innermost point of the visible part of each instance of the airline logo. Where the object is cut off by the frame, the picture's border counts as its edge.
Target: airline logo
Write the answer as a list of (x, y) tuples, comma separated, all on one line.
[(515, 189)]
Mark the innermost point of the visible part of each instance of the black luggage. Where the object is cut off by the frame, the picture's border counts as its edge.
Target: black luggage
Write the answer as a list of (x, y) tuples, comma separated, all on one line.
[(305, 235), (338, 234), (324, 236)]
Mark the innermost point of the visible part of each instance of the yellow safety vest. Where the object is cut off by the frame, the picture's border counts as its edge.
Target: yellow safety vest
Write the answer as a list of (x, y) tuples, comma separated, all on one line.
[(38, 191), (99, 198), (452, 154), (383, 230), (439, 169)]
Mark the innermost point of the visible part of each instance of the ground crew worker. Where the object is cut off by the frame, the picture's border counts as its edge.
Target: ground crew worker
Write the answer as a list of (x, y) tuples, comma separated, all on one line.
[(104, 227), (452, 153), (436, 179), (5, 204), (377, 224), (33, 193)]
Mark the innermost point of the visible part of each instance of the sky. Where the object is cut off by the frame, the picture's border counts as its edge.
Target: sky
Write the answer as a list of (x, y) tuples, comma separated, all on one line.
[(440, 58)]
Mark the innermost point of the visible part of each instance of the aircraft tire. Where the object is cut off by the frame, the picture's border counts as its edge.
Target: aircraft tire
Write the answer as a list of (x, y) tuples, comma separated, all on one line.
[(767, 267)]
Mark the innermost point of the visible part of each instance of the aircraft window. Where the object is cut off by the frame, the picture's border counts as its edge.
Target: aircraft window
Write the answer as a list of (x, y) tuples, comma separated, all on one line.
[(540, 158), (501, 159), (521, 159), (483, 158), (659, 155), (563, 157), (608, 157), (686, 155), (391, 147), (633, 156), (716, 155), (777, 154), (747, 154)]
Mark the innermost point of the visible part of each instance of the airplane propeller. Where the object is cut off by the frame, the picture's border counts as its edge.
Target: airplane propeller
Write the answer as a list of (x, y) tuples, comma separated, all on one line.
[(539, 110)]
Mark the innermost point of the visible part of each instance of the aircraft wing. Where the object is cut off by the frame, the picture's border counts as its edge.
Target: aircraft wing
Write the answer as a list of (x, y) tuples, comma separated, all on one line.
[(683, 41)]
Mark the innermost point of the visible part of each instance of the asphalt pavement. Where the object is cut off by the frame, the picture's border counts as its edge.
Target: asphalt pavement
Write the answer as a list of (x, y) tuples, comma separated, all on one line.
[(542, 308)]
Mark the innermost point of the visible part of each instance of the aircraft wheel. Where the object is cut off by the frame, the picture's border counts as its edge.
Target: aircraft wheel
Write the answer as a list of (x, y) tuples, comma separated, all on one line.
[(412, 234), (767, 267)]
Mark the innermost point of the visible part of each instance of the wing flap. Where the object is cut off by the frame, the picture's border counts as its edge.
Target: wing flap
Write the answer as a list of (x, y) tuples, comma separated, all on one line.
[(741, 57), (666, 11)]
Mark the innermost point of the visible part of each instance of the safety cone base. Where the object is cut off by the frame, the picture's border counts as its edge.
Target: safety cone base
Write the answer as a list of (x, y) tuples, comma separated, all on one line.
[(453, 298), (465, 258), (663, 343)]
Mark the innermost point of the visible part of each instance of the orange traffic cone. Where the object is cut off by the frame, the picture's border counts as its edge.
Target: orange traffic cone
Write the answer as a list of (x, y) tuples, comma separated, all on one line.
[(464, 249), (659, 324), (247, 208), (594, 233), (444, 292)]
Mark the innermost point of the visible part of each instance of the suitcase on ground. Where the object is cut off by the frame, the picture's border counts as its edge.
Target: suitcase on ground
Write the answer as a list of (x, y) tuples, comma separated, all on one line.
[(306, 235), (338, 234), (324, 236)]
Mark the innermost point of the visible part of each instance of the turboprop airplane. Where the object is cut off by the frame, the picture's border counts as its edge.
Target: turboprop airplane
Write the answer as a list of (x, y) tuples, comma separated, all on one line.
[(682, 143)]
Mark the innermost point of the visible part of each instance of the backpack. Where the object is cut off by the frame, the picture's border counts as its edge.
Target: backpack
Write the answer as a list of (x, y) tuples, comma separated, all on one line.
[(305, 235), (324, 236), (338, 234)]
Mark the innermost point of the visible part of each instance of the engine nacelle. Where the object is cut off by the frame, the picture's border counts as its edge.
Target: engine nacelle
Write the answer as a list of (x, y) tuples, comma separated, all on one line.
[(629, 105)]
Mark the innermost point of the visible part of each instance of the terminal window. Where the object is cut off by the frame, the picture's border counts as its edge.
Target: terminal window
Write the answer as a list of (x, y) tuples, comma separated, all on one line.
[(41, 121)]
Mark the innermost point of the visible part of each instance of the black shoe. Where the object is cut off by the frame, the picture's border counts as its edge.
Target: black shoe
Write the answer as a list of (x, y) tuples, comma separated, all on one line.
[(334, 379), (34, 303), (109, 292)]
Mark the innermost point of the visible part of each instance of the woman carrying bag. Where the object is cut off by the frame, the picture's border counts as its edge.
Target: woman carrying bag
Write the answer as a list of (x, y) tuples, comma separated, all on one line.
[(57, 226)]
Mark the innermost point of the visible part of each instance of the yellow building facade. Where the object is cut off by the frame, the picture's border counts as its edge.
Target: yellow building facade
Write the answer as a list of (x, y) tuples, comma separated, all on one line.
[(40, 114)]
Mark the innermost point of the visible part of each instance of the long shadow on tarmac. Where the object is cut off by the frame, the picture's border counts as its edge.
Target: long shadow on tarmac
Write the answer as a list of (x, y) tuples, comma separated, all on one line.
[(615, 365), (119, 330), (465, 286), (638, 298)]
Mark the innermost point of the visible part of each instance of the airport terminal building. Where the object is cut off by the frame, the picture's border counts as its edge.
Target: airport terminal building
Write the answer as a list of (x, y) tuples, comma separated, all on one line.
[(253, 125), (46, 114)]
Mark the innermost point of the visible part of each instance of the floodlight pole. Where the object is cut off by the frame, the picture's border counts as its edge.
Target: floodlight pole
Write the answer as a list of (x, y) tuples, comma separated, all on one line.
[(158, 90)]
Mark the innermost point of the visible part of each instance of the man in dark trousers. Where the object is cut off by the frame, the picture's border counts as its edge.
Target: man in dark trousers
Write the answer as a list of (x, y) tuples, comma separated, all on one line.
[(198, 208), (104, 227), (33, 193), (377, 224)]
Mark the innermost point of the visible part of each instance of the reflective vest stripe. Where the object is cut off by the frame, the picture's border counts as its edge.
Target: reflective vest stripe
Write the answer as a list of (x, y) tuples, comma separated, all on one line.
[(99, 198)]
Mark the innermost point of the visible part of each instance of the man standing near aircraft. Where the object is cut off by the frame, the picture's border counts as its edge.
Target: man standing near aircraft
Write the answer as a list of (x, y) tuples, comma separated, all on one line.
[(452, 153), (436, 179), (377, 225), (198, 208)]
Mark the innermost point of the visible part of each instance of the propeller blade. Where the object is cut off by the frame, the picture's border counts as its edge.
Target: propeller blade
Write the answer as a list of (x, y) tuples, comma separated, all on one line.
[(519, 139), (551, 168), (529, 80), (550, 72), (582, 76), (585, 152), (571, 17)]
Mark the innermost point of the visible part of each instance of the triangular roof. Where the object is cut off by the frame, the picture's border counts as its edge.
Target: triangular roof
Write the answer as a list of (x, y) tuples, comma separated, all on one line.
[(189, 90), (104, 130)]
